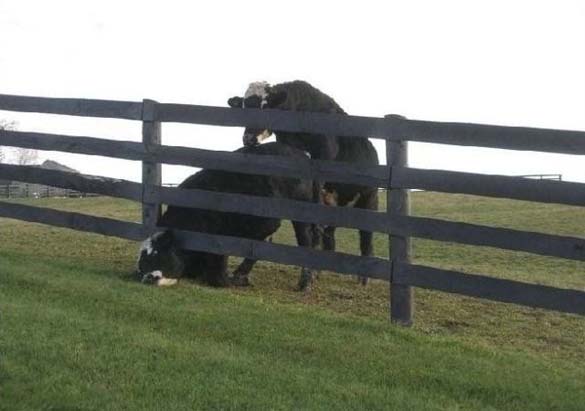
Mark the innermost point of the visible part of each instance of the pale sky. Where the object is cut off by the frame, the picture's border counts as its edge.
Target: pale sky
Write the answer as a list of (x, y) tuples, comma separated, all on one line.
[(514, 62)]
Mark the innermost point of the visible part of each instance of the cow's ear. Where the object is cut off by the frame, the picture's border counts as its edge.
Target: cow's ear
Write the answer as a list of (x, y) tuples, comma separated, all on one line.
[(275, 99), (236, 102)]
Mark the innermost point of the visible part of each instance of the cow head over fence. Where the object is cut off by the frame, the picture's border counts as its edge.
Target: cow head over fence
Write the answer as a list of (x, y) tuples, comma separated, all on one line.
[(260, 95)]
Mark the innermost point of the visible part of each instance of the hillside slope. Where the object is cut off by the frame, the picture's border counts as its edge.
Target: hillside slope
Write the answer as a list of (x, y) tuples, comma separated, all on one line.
[(77, 332)]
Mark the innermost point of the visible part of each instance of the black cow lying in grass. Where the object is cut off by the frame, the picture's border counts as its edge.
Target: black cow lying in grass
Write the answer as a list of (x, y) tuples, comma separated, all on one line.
[(160, 256), (301, 96)]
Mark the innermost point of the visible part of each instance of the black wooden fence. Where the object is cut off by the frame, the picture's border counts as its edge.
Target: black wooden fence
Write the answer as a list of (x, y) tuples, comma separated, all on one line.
[(396, 177)]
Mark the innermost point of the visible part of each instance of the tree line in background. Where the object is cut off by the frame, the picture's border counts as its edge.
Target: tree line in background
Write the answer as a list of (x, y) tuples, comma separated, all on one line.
[(16, 155)]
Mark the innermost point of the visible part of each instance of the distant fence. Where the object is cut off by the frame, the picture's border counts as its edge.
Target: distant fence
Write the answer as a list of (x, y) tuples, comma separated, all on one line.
[(557, 177), (397, 177), (26, 190)]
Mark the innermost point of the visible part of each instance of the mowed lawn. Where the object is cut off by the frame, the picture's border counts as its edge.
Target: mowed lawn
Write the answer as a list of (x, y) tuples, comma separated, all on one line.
[(78, 332)]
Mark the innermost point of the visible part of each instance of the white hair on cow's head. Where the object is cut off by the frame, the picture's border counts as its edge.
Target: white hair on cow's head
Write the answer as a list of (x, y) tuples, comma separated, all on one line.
[(258, 88), (147, 246)]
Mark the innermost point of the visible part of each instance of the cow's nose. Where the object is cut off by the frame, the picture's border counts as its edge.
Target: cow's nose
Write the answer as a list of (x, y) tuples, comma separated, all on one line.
[(250, 139)]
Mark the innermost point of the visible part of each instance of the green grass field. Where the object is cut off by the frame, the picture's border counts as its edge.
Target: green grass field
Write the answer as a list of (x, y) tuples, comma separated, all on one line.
[(78, 333)]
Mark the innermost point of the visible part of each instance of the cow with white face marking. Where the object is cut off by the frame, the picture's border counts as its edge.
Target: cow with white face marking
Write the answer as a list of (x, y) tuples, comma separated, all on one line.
[(293, 96), (161, 257), (301, 96)]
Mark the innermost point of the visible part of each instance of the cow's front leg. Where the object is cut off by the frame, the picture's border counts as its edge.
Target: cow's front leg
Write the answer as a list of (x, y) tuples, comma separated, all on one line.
[(303, 234), (369, 201), (240, 277)]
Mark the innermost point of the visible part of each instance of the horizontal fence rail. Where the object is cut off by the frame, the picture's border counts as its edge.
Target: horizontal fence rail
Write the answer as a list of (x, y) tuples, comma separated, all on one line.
[(471, 234), (374, 176), (503, 137), (508, 291), (293, 121), (426, 228), (464, 134), (518, 188), (126, 110), (514, 138), (372, 267), (79, 182), (75, 221), (321, 260)]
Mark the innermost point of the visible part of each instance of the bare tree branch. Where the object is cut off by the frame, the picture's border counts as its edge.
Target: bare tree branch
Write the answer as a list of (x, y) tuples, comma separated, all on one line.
[(20, 156), (5, 125), (24, 156)]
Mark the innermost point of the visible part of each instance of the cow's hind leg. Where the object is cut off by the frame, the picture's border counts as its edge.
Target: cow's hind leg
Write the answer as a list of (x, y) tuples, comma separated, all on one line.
[(367, 250), (317, 229), (329, 238), (240, 276), (215, 270), (368, 202), (261, 230), (303, 233)]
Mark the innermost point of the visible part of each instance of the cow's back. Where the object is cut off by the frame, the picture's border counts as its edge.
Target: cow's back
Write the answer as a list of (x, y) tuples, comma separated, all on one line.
[(216, 222)]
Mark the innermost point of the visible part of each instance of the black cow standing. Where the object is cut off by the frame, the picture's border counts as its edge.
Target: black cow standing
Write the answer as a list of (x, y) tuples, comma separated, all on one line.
[(301, 96), (160, 255)]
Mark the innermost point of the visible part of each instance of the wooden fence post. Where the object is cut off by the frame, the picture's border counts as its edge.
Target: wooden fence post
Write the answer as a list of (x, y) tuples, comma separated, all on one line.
[(398, 204), (151, 171)]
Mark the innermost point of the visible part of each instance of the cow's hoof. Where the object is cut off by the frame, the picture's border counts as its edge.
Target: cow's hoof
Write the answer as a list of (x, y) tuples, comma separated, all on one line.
[(240, 281), (219, 282), (304, 287), (306, 281), (363, 280)]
